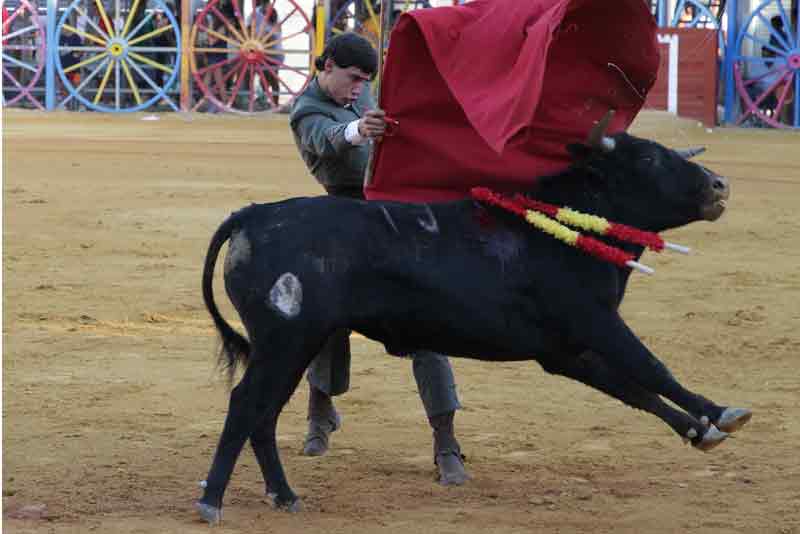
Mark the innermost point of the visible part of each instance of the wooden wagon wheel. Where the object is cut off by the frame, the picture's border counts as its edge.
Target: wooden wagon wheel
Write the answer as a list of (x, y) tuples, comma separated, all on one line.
[(255, 63), (768, 78), (23, 52), (122, 62)]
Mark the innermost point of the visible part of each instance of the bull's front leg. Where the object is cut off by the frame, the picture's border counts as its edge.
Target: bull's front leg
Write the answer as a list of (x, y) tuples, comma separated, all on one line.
[(591, 369), (605, 333)]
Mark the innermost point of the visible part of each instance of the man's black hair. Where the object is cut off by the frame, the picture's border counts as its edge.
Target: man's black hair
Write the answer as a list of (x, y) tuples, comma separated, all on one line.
[(349, 50)]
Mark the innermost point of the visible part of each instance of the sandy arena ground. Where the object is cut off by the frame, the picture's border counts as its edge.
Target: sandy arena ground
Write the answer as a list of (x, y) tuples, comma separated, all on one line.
[(112, 407)]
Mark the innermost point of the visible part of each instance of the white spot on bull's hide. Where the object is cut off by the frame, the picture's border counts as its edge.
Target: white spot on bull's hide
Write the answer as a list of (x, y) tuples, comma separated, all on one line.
[(429, 224), (286, 295), (691, 434), (239, 250)]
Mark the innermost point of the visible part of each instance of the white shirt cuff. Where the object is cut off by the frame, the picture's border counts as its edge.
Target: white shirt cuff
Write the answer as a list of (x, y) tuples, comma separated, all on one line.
[(352, 136)]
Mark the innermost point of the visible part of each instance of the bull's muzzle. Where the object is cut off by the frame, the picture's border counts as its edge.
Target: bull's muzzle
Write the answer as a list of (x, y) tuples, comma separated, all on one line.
[(717, 198)]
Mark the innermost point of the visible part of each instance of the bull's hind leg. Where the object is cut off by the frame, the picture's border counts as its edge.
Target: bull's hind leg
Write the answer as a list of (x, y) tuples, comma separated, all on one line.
[(253, 412), (291, 352), (590, 369), (264, 440), (247, 402)]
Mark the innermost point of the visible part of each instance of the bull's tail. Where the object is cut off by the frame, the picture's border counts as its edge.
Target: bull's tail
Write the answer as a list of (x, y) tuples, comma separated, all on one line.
[(234, 348)]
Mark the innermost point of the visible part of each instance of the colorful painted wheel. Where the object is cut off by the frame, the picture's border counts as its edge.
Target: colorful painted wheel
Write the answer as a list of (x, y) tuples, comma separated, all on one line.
[(121, 61), (363, 17), (767, 72), (257, 63), (23, 52), (700, 14)]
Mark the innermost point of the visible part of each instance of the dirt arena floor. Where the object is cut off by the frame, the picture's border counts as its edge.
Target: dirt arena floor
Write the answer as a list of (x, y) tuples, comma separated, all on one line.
[(112, 406)]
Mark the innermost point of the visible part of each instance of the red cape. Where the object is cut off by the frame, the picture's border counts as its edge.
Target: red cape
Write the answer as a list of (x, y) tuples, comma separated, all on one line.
[(490, 93)]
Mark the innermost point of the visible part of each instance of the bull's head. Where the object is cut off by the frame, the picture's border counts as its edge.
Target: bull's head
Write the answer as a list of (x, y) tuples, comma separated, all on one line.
[(647, 184)]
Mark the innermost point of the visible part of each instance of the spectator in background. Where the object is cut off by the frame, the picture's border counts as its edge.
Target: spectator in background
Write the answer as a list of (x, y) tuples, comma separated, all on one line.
[(215, 60), (164, 40), (70, 58)]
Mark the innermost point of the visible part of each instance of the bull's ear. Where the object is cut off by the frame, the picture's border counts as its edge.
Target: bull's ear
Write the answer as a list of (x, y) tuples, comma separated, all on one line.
[(579, 152)]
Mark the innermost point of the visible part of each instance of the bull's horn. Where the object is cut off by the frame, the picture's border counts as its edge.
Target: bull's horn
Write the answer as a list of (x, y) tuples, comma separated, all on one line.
[(689, 153), (598, 138)]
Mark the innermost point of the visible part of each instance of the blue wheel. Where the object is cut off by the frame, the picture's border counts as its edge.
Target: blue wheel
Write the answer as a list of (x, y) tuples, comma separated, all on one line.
[(699, 14), (120, 60), (767, 66)]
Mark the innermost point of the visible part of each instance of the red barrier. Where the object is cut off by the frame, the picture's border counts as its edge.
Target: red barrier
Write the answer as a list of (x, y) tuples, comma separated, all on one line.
[(687, 75)]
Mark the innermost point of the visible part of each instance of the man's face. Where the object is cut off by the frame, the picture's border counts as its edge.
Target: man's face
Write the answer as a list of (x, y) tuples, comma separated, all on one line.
[(344, 85)]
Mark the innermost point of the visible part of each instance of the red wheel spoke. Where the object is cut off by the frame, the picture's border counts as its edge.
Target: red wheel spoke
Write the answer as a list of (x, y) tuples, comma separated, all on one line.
[(283, 38), (265, 83), (272, 62), (198, 104), (217, 65), (251, 103), (226, 22), (280, 81), (238, 84)]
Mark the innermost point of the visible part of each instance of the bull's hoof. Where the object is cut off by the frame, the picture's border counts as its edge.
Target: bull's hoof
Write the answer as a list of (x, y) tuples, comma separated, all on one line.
[(712, 437), (732, 419), (451, 469), (210, 514), (293, 506)]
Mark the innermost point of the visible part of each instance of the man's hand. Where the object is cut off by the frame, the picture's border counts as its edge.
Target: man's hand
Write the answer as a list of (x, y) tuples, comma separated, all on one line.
[(373, 124)]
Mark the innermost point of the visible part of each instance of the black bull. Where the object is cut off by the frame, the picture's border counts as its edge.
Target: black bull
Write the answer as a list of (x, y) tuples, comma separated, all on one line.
[(457, 278)]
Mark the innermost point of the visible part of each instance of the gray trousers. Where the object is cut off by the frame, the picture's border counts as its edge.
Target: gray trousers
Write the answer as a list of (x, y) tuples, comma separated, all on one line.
[(330, 372)]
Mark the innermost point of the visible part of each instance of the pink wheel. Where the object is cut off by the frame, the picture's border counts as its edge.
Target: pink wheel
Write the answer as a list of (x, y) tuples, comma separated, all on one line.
[(23, 52), (773, 96), (254, 63), (767, 67)]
